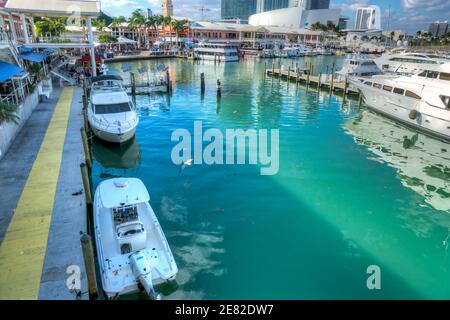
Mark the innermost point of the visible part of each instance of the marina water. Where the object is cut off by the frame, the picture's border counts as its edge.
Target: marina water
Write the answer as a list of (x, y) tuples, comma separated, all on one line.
[(354, 190)]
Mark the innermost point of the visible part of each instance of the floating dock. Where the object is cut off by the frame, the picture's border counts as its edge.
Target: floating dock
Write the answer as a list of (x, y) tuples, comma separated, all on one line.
[(332, 84)]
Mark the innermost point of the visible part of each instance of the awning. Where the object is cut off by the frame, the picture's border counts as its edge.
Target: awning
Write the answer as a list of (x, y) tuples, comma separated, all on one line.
[(25, 50), (7, 71), (34, 56), (49, 50)]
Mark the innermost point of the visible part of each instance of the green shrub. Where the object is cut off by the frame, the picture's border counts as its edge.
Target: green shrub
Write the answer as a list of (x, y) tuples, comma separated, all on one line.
[(8, 113)]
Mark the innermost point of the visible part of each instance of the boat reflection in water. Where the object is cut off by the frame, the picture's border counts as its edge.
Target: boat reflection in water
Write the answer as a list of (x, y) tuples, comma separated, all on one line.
[(115, 156), (423, 163)]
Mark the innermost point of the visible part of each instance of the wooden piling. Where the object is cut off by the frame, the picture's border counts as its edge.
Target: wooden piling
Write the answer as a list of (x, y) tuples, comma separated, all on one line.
[(86, 184), (89, 264), (169, 82), (289, 75), (202, 83), (133, 83), (219, 89), (332, 80), (87, 152), (319, 82)]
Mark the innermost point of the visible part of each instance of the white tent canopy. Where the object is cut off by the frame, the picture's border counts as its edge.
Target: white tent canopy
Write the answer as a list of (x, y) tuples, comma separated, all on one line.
[(57, 8), (124, 40)]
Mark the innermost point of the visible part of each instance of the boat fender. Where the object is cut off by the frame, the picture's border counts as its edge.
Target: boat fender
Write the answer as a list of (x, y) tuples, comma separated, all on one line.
[(414, 114)]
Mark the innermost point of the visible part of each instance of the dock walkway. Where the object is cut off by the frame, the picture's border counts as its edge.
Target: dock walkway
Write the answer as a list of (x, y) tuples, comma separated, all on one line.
[(334, 85), (40, 217)]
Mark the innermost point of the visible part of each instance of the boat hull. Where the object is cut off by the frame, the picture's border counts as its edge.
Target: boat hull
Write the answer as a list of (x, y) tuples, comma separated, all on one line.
[(400, 110), (114, 137)]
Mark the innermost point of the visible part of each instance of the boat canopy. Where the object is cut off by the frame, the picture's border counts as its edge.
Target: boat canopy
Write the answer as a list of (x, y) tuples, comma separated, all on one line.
[(106, 78), (116, 193), (34, 56), (7, 71)]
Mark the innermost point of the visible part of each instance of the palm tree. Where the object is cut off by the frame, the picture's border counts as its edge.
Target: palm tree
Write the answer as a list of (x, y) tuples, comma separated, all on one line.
[(151, 23), (137, 21), (168, 23), (117, 22), (178, 26)]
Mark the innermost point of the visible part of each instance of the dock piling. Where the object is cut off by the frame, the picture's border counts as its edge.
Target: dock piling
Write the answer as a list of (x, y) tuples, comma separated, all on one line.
[(219, 89), (89, 263), (87, 153), (202, 83), (86, 184)]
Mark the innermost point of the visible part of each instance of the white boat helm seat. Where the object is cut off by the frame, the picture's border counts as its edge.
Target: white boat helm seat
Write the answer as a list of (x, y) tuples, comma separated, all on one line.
[(131, 237)]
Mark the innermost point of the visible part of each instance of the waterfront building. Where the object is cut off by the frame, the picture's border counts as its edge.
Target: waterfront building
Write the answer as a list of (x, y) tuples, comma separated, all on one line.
[(438, 28), (167, 8), (238, 9), (367, 19), (253, 36), (296, 17)]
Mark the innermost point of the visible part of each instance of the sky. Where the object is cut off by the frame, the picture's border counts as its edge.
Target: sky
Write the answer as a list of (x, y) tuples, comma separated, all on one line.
[(409, 15)]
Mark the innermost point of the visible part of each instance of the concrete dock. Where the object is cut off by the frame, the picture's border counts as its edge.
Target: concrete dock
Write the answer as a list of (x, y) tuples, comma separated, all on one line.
[(42, 210)]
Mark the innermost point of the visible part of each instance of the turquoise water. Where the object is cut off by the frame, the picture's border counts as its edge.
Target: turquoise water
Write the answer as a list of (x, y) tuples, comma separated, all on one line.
[(353, 190)]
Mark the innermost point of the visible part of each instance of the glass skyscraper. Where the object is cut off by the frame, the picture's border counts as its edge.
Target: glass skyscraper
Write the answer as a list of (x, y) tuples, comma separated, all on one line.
[(238, 9), (269, 5)]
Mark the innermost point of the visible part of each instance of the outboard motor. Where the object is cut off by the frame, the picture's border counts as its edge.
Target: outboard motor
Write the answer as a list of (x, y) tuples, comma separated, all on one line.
[(143, 272)]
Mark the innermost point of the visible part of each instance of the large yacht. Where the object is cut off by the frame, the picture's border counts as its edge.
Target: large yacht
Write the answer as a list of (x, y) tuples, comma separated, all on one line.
[(421, 100), (111, 113), (221, 52), (403, 62), (359, 66)]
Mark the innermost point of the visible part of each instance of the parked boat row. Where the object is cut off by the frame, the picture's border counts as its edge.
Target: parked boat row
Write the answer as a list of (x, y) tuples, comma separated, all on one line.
[(132, 250)]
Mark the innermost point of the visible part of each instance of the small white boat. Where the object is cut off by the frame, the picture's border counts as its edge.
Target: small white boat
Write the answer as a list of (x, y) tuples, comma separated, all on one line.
[(111, 114), (132, 249)]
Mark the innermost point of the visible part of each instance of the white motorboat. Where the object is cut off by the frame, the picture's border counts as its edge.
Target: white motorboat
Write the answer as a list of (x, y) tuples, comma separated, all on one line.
[(421, 100), (359, 66), (221, 52), (408, 63), (111, 113), (132, 249)]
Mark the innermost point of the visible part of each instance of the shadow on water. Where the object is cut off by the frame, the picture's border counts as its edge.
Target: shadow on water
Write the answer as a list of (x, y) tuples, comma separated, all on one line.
[(335, 207)]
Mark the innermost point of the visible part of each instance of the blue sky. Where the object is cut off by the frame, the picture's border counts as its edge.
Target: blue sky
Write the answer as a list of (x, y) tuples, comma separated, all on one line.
[(410, 15)]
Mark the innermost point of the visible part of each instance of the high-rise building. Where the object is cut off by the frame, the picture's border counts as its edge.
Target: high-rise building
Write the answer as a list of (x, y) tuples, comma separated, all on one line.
[(269, 5), (167, 8), (149, 12), (238, 9), (367, 18), (438, 28), (312, 4)]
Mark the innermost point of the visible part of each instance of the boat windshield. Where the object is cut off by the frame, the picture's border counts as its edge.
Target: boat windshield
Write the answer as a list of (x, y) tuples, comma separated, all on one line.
[(112, 108), (110, 85)]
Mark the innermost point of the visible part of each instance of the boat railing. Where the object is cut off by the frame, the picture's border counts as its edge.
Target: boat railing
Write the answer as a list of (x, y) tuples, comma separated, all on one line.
[(106, 124)]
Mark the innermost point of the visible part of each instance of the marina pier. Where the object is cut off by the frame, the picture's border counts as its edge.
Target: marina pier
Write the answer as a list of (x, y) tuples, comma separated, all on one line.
[(305, 78)]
